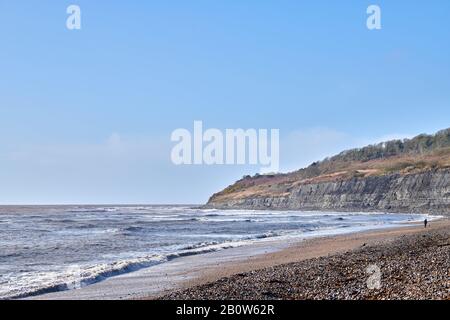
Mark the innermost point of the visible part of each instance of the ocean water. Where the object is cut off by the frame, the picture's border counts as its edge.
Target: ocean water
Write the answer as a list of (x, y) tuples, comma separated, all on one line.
[(45, 249)]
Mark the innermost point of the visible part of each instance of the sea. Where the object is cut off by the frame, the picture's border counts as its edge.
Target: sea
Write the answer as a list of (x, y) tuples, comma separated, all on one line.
[(54, 248)]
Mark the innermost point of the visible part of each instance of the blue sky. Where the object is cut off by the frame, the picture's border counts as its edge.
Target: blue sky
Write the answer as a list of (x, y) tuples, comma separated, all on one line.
[(86, 116)]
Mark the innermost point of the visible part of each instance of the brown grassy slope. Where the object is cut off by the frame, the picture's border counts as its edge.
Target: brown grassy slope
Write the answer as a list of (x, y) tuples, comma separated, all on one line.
[(422, 153)]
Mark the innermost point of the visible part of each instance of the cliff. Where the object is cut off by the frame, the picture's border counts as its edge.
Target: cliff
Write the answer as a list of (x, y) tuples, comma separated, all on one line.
[(396, 176)]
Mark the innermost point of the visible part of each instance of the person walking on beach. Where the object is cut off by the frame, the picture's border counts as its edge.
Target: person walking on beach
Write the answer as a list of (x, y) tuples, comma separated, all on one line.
[(425, 223)]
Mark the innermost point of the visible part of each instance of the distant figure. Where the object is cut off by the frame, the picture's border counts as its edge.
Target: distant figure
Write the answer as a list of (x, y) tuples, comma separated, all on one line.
[(425, 223)]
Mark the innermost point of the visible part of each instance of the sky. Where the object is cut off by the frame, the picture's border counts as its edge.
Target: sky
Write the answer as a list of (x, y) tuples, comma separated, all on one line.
[(86, 115)]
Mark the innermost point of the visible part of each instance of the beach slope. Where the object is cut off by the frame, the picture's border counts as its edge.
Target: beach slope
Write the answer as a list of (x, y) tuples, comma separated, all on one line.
[(412, 264)]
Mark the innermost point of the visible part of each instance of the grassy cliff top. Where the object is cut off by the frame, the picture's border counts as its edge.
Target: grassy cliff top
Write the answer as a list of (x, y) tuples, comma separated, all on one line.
[(408, 156)]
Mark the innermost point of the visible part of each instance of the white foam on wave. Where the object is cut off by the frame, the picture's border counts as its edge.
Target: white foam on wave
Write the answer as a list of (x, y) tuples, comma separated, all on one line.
[(94, 210), (74, 276), (32, 283)]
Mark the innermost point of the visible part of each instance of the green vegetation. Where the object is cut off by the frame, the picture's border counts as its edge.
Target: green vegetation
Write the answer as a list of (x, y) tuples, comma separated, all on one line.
[(421, 144)]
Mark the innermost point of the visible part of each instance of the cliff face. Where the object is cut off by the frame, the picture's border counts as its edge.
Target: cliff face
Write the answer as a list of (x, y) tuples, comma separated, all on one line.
[(426, 192), (396, 176)]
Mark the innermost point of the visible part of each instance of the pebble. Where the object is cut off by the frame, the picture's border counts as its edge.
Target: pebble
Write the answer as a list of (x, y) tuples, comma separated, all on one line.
[(413, 267)]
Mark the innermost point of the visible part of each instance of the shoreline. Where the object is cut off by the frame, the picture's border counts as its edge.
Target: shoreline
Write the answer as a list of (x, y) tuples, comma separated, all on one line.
[(189, 271), (265, 277)]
